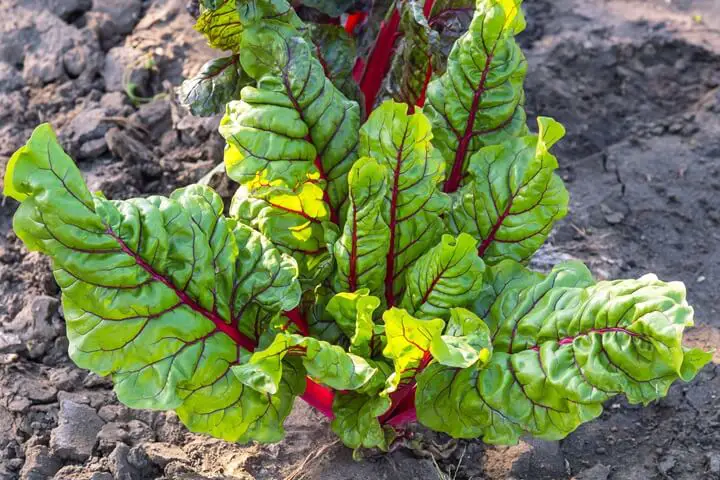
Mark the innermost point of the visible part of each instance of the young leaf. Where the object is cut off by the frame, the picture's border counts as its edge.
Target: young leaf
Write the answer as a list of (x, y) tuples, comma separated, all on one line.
[(293, 218), (353, 313), (401, 143), (361, 250), (329, 364), (449, 275), (411, 66), (479, 99), (356, 420), (157, 292), (465, 342), (217, 83), (514, 197), (408, 344), (564, 350)]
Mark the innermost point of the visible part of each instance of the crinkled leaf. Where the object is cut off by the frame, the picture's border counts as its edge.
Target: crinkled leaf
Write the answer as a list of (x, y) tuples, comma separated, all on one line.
[(293, 218), (295, 124), (401, 142), (411, 65), (567, 347), (514, 197), (353, 313), (337, 52), (356, 420), (225, 23), (465, 342), (362, 248), (217, 83), (329, 364), (450, 19), (479, 100), (155, 291), (334, 8), (449, 275)]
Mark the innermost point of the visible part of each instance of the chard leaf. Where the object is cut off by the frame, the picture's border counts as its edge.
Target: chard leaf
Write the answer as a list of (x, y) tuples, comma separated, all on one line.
[(327, 363), (479, 100), (356, 420), (449, 275), (334, 8), (158, 293), (411, 65), (295, 124), (450, 19), (466, 341), (408, 344), (217, 83), (568, 346), (362, 248), (226, 23), (293, 218), (401, 143), (337, 52), (353, 313), (514, 197)]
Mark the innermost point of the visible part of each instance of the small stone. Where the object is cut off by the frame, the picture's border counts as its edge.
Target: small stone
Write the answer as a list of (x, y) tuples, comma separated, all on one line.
[(67, 9), (92, 149), (601, 450), (119, 464), (39, 464), (112, 19), (127, 148), (130, 433), (114, 413), (116, 103), (101, 476), (163, 453), (66, 378), (675, 128), (74, 61), (666, 465), (701, 279), (597, 472), (75, 436), (713, 463), (87, 125), (155, 117)]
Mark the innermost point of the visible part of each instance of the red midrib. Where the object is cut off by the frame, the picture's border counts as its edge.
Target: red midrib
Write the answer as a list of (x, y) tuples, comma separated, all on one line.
[(493, 231), (219, 323), (390, 273), (378, 61), (456, 174), (600, 331), (352, 276)]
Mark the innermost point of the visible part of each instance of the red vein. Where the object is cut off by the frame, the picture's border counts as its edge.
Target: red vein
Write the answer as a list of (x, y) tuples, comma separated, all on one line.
[(456, 173), (352, 275), (296, 317), (493, 231), (220, 324), (390, 273), (600, 331)]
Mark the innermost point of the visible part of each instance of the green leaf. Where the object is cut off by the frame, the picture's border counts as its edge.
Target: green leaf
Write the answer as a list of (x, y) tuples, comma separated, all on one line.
[(465, 342), (449, 275), (411, 63), (327, 363), (408, 344), (293, 218), (295, 125), (479, 100), (353, 313), (514, 197), (225, 23), (362, 248), (156, 292), (356, 420), (337, 52), (567, 347), (217, 83), (334, 8), (401, 143)]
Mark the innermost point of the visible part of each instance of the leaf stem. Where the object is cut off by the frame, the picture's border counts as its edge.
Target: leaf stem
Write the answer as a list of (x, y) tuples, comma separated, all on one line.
[(296, 317)]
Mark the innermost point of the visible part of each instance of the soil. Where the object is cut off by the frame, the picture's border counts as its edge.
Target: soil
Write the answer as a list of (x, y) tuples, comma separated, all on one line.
[(637, 84)]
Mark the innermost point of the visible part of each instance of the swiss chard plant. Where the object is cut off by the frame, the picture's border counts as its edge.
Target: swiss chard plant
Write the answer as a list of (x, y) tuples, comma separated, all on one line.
[(373, 261)]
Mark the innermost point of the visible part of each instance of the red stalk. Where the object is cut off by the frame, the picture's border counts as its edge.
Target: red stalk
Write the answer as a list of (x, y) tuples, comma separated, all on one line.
[(319, 397), (296, 317), (378, 62), (353, 20)]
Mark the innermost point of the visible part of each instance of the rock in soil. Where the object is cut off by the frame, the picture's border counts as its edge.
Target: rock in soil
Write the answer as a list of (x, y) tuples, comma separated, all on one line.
[(39, 464), (75, 436)]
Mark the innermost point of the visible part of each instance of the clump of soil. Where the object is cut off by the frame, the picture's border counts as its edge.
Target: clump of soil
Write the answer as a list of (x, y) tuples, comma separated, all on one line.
[(636, 82)]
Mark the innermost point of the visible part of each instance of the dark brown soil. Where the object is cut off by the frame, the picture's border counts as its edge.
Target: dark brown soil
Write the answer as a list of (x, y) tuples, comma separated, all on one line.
[(637, 84)]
